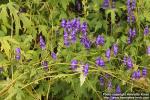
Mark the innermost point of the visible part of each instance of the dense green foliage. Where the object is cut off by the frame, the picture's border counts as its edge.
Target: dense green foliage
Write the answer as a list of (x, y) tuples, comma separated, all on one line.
[(22, 22)]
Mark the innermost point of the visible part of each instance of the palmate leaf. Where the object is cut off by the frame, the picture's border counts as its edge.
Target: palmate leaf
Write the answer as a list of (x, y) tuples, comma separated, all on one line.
[(4, 15), (5, 46), (14, 13)]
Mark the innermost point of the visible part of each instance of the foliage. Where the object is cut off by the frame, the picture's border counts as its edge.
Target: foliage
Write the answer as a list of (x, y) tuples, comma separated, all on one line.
[(22, 22)]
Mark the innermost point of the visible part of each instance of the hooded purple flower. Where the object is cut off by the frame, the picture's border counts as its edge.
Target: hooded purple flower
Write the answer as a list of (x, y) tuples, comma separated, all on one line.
[(53, 55), (134, 75), (144, 72), (100, 62), (115, 48), (42, 43), (100, 40), (63, 23), (146, 30), (66, 36), (86, 42), (129, 40), (73, 36), (118, 90), (18, 52), (84, 28), (101, 79), (68, 25), (133, 33), (133, 4), (45, 65), (108, 54), (74, 64), (109, 85), (129, 63), (138, 74), (105, 4), (85, 69), (148, 50), (113, 3), (1, 69)]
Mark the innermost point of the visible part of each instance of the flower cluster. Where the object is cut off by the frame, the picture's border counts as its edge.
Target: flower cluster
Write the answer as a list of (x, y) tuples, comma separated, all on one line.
[(118, 90), (108, 54), (42, 43), (18, 52), (130, 8), (53, 55), (74, 64), (100, 40), (1, 69), (106, 4), (100, 62), (131, 35), (137, 74), (146, 30), (71, 28), (101, 79), (85, 69), (115, 48), (45, 65), (148, 50), (128, 62)]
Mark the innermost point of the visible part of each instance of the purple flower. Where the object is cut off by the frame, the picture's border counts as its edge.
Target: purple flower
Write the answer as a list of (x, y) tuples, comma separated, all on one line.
[(53, 55), (133, 4), (146, 30), (100, 62), (63, 23), (100, 40), (101, 79), (148, 50), (118, 90), (85, 69), (128, 3), (133, 32), (108, 54), (113, 3), (18, 52), (74, 64), (132, 18), (105, 4), (128, 19), (66, 41), (84, 27), (86, 42), (109, 85), (42, 43), (73, 36), (115, 48), (68, 26), (129, 40), (134, 75), (1, 69), (129, 63), (144, 72), (138, 74), (45, 65), (125, 60)]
